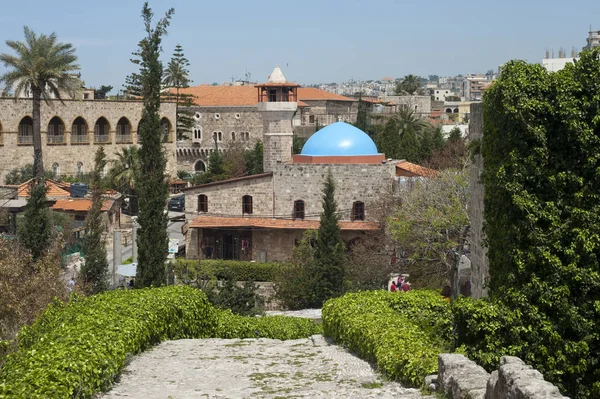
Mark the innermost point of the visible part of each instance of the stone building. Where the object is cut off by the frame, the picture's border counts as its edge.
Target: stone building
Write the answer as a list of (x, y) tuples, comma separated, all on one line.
[(231, 115), (262, 217), (72, 130)]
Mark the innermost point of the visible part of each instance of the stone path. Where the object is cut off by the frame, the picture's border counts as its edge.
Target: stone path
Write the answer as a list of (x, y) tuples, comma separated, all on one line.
[(252, 368)]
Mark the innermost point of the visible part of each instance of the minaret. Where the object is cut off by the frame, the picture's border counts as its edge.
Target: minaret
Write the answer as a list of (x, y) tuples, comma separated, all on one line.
[(277, 104)]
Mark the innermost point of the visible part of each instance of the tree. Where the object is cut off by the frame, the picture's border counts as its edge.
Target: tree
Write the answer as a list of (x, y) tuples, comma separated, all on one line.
[(298, 144), (151, 185), (434, 78), (254, 159), (100, 93), (36, 232), (215, 161), (94, 272), (362, 121), (400, 136), (18, 176), (409, 85), (132, 85), (45, 67), (176, 76), (455, 134), (430, 225), (125, 169), (327, 271), (540, 149)]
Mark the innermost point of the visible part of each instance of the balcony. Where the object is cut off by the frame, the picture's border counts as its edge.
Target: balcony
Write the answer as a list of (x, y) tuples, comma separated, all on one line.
[(24, 139), (57, 139), (101, 138), (79, 138), (124, 138)]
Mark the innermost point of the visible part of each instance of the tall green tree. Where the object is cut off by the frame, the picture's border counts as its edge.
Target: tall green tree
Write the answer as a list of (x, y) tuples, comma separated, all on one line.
[(94, 272), (362, 121), (151, 186), (215, 161), (254, 159), (327, 271), (400, 136), (176, 76), (408, 85), (45, 67)]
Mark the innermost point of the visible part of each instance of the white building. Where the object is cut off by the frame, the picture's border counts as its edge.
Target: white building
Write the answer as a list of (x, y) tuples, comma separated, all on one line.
[(556, 64)]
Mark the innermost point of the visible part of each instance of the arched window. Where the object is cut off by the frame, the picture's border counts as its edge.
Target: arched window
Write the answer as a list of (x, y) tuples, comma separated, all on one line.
[(79, 168), (165, 129), (101, 131), (55, 170), (232, 136), (358, 210), (199, 167), (448, 110), (123, 131), (197, 133), (79, 131), (25, 135), (247, 204), (56, 131), (202, 203), (247, 134), (219, 136), (299, 209), (456, 110)]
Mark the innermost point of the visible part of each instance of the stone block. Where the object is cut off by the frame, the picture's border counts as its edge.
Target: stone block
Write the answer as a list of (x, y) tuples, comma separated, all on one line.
[(460, 377)]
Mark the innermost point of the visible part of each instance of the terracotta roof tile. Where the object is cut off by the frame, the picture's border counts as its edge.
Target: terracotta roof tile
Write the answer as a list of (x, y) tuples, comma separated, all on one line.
[(416, 169), (53, 189), (267, 223), (79, 205)]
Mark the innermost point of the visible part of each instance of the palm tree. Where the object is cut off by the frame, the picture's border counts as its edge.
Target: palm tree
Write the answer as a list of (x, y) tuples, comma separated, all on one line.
[(45, 67), (125, 169), (409, 85), (401, 134)]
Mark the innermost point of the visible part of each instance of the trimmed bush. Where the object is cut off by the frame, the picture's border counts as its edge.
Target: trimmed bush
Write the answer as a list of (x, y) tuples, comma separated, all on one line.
[(403, 333), (231, 269), (77, 349)]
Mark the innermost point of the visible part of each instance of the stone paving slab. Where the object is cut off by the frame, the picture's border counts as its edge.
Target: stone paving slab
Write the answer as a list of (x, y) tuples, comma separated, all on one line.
[(252, 368)]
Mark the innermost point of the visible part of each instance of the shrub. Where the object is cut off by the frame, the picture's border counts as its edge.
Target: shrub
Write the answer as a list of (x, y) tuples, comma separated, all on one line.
[(402, 333), (222, 269), (77, 349)]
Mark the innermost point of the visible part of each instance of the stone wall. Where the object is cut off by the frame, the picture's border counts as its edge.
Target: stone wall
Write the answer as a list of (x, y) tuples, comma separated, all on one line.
[(354, 182), (328, 111), (460, 378), (478, 253), (68, 154)]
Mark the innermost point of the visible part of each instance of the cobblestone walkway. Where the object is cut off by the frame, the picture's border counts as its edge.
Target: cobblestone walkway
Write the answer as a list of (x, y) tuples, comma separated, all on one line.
[(252, 368)]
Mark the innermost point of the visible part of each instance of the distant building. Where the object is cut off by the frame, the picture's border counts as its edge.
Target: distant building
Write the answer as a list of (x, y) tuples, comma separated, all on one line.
[(593, 40), (473, 87), (556, 64)]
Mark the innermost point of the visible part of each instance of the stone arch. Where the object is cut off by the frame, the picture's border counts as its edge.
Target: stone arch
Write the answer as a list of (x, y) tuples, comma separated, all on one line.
[(79, 130), (123, 130), (199, 166), (197, 133), (25, 130), (56, 131), (55, 170), (79, 170), (448, 110), (166, 128), (232, 136), (456, 110), (102, 130)]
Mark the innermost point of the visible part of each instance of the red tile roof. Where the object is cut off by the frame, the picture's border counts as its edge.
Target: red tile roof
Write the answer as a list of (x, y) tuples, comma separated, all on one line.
[(79, 205), (53, 189), (246, 96), (268, 223), (415, 169)]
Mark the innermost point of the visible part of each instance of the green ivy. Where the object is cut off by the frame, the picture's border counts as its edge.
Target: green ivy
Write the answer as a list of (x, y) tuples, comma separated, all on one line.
[(76, 350), (403, 333)]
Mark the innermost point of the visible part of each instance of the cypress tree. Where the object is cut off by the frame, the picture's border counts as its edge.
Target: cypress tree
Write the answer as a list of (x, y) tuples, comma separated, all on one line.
[(36, 232), (215, 162), (152, 187), (361, 117), (327, 271), (95, 270)]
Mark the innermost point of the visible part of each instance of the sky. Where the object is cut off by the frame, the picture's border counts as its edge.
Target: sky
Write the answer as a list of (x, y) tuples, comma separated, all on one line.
[(313, 41)]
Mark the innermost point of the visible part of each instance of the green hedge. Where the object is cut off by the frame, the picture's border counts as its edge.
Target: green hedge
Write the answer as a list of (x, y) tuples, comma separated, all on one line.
[(403, 333), (238, 270), (77, 349)]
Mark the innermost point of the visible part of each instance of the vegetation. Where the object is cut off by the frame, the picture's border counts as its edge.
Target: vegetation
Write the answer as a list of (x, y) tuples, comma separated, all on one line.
[(125, 169), (402, 333), (18, 176), (400, 136), (35, 234), (362, 121), (191, 271), (254, 159), (542, 219), (298, 144), (101, 92), (151, 185), (408, 85), (94, 272), (176, 77), (430, 224), (93, 338)]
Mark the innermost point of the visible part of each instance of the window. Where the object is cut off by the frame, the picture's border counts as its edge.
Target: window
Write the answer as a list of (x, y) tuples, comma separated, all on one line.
[(311, 119), (79, 131), (25, 135), (247, 204), (299, 209), (123, 131), (198, 115), (165, 128), (79, 168), (358, 210), (202, 203), (219, 136), (272, 95), (86, 96), (56, 131), (237, 116), (197, 133), (101, 130), (55, 169), (199, 167), (217, 116), (232, 136)]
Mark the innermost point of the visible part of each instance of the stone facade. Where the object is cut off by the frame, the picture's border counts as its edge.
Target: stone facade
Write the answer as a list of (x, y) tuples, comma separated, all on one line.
[(71, 156), (326, 112), (478, 253), (278, 136), (241, 124)]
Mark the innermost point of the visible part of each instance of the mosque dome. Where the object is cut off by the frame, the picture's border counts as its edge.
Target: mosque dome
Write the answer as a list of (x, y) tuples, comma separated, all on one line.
[(339, 139)]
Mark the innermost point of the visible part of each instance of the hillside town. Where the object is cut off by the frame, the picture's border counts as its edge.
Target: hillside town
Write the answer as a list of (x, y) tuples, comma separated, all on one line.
[(411, 235)]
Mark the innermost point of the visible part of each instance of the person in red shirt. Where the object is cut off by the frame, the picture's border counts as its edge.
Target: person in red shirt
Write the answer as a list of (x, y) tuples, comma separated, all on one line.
[(393, 287)]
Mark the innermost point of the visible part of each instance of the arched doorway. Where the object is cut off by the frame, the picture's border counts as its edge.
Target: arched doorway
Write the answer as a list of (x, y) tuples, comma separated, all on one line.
[(123, 131), (56, 131), (165, 129), (25, 134), (101, 131), (199, 166), (79, 131)]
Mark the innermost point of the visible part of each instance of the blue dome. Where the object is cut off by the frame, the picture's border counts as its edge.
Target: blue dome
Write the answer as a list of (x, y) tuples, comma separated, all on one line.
[(339, 139)]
